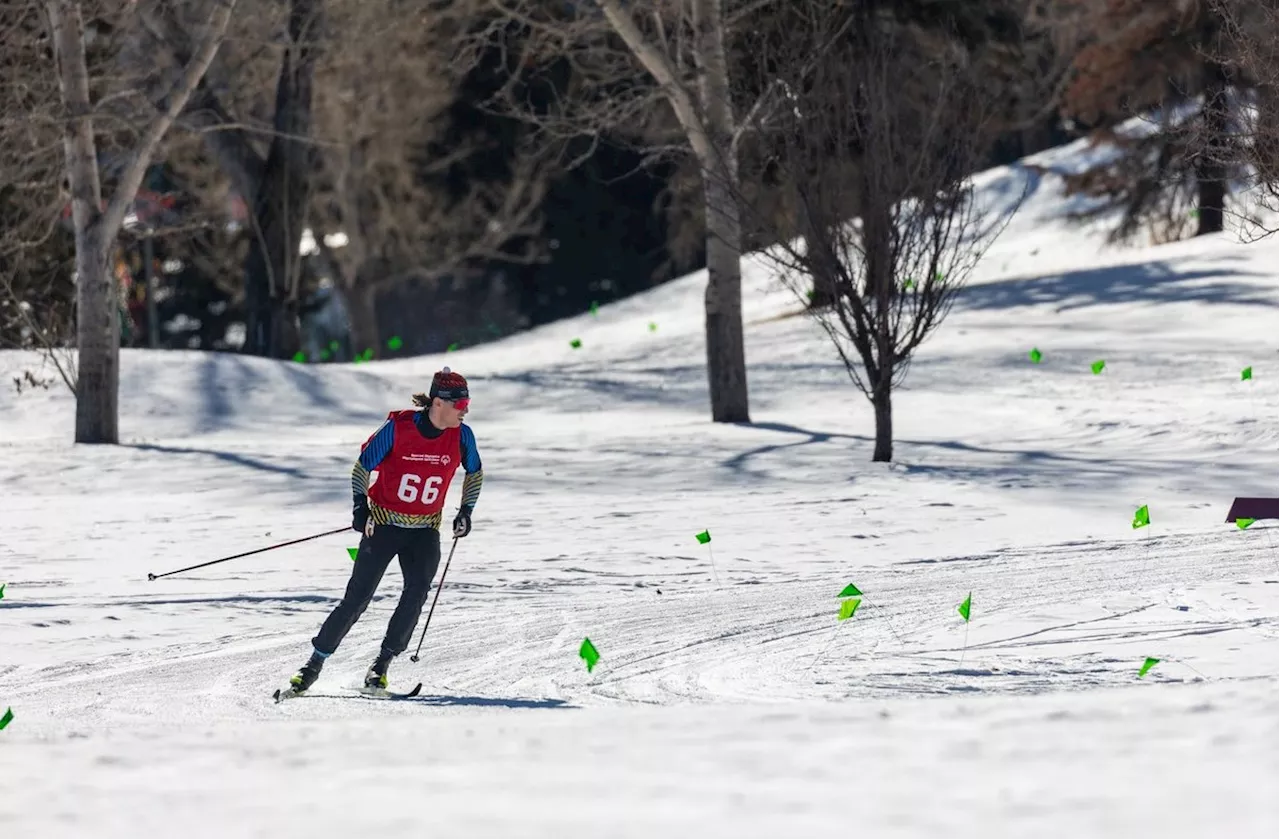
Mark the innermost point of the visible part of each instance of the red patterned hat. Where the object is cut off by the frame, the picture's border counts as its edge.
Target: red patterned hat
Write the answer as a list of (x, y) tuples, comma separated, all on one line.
[(449, 385)]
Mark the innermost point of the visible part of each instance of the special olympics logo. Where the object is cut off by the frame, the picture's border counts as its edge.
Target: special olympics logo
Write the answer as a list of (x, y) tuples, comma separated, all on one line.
[(445, 460)]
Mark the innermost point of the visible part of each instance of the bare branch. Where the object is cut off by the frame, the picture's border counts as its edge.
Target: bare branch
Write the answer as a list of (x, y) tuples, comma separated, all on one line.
[(131, 179)]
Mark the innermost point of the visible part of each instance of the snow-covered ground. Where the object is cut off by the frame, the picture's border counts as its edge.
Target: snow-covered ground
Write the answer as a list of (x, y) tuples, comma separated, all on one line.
[(728, 700)]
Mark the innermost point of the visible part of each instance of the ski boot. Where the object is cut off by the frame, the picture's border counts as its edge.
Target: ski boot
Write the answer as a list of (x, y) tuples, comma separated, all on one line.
[(306, 677), (375, 681)]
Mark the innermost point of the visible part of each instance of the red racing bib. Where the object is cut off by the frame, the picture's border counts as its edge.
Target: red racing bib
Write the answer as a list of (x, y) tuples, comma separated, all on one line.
[(414, 477)]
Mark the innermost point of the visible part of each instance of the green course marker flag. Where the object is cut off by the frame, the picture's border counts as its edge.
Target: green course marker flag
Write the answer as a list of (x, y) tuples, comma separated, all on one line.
[(452, 347), (394, 343), (368, 353), (1141, 517), (965, 607), (1035, 355), (6, 719), (1147, 665), (1097, 366), (704, 537), (595, 308), (576, 343), (908, 284), (848, 607), (850, 591), (1246, 373), (653, 327), (352, 553), (2, 585), (300, 357), (1195, 213), (1240, 523), (333, 345), (324, 354), (587, 652)]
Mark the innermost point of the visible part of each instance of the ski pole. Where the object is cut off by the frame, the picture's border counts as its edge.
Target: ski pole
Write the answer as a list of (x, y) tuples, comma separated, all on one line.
[(248, 553), (434, 600)]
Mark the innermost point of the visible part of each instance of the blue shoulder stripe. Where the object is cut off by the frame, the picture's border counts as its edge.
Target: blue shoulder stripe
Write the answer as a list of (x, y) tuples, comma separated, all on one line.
[(379, 446), (470, 454)]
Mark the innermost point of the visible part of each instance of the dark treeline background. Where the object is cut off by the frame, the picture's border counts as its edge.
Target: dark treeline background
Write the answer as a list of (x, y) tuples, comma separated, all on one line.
[(368, 136)]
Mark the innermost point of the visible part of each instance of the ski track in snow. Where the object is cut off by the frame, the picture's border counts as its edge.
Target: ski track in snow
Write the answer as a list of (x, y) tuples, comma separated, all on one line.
[(728, 699)]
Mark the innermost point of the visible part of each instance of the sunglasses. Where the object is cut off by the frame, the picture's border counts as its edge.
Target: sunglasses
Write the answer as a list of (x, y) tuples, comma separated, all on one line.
[(459, 404)]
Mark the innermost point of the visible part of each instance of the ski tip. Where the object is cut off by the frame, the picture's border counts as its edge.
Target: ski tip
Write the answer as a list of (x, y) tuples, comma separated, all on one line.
[(276, 696), (417, 689)]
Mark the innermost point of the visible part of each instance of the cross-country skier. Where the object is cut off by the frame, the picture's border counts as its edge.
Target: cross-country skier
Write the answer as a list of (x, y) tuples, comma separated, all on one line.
[(415, 454)]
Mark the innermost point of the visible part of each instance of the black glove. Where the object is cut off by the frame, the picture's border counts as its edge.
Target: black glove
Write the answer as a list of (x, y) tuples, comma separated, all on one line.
[(462, 523), (359, 514)]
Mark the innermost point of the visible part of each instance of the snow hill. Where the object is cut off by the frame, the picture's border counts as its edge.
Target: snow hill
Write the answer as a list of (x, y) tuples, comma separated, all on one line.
[(728, 700)]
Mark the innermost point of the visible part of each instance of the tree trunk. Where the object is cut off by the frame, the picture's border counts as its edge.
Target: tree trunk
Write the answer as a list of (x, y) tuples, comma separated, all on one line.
[(825, 290), (726, 356), (877, 231), (97, 310), (98, 342), (881, 400), (1211, 174), (279, 208), (362, 318)]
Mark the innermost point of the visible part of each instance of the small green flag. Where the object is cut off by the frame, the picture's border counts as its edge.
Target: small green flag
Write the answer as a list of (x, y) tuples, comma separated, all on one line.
[(848, 607), (1035, 355), (595, 308), (368, 353), (2, 585), (300, 357), (6, 719), (576, 343), (964, 607), (850, 591), (653, 327), (1147, 665), (452, 347), (1246, 373), (324, 354), (908, 284), (1240, 523), (394, 343), (1097, 366), (352, 553), (704, 537), (1195, 213), (1142, 517), (333, 346), (587, 652), (359, 359)]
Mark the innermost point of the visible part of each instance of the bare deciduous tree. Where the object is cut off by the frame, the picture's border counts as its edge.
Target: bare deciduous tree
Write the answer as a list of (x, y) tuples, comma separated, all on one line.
[(97, 222), (418, 192), (1249, 48), (884, 122), (603, 67)]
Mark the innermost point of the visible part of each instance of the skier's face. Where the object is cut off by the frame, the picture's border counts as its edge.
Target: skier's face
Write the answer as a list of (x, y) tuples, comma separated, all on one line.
[(452, 412)]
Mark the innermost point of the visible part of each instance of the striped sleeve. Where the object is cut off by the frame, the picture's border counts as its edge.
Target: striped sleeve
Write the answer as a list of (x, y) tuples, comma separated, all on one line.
[(475, 471), (371, 454)]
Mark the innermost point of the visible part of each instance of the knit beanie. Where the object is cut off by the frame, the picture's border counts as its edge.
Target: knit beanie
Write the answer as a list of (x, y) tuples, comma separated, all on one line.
[(448, 385)]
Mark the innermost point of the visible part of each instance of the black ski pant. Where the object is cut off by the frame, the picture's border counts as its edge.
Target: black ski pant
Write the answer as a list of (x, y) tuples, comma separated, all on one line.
[(419, 552)]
